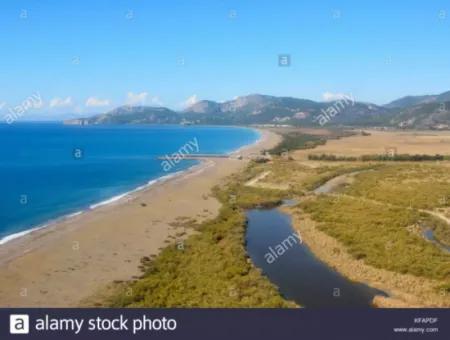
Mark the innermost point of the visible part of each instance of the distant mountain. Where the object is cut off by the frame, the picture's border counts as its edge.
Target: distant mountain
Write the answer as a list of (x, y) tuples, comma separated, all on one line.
[(253, 104), (408, 112), (421, 112), (434, 115), (132, 115), (410, 101), (417, 100), (263, 109), (443, 97), (204, 107)]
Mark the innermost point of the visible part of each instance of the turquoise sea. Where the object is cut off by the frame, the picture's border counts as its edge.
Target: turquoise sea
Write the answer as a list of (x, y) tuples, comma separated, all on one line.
[(51, 170)]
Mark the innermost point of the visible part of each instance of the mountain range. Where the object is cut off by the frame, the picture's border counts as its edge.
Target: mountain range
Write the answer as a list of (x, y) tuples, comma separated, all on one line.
[(420, 112)]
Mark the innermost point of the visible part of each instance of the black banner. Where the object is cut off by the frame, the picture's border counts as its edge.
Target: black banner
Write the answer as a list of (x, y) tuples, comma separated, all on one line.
[(226, 324)]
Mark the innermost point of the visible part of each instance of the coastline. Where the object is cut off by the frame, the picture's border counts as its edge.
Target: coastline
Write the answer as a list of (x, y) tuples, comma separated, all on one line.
[(119, 197), (109, 201), (64, 262)]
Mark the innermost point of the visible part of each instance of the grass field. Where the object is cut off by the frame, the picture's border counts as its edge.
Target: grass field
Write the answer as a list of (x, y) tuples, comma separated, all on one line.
[(379, 235), (403, 142), (425, 185), (301, 178)]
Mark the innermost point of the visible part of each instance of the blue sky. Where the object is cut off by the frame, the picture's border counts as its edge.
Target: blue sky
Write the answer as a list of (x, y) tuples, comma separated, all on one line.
[(90, 56)]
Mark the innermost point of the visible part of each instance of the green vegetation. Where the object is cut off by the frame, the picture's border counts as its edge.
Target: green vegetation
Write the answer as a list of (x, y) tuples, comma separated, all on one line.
[(299, 178), (419, 186), (325, 174), (379, 235), (378, 158), (403, 158), (297, 140), (334, 158), (211, 269)]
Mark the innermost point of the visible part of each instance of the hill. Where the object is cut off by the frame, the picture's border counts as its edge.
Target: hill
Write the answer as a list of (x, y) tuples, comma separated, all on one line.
[(429, 111)]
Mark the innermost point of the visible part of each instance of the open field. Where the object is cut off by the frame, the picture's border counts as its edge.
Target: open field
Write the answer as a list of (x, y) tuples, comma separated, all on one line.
[(405, 142), (379, 235), (424, 185)]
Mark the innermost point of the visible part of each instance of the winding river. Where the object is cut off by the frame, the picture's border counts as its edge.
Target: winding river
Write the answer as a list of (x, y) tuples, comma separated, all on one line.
[(274, 247)]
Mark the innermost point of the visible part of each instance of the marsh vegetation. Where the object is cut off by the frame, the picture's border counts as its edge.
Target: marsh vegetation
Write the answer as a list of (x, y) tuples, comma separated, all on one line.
[(378, 217)]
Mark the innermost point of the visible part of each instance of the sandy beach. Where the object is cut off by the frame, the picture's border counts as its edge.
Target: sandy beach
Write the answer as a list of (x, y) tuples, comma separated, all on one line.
[(68, 261)]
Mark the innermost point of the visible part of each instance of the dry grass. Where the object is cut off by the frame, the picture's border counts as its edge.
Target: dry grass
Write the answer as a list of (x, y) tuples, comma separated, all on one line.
[(411, 142)]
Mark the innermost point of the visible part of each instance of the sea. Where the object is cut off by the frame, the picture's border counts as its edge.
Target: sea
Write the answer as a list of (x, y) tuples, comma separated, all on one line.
[(50, 171)]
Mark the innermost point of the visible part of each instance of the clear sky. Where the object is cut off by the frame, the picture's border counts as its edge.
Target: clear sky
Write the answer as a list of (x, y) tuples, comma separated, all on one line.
[(90, 56)]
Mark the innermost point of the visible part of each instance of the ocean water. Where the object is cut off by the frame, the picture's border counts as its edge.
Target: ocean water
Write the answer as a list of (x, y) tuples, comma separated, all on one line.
[(50, 170)]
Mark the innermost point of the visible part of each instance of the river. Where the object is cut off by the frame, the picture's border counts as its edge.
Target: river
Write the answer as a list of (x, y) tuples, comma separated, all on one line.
[(297, 272)]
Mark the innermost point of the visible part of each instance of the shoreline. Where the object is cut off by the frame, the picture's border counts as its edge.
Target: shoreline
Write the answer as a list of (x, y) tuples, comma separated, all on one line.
[(69, 260), (117, 199)]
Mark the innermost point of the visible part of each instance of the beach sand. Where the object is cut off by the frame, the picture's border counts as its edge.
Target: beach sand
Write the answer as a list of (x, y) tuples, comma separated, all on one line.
[(67, 262)]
